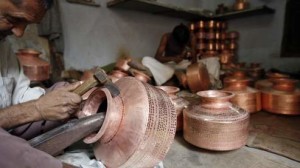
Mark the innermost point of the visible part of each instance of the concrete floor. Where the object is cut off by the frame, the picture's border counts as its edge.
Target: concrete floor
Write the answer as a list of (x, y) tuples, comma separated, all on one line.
[(184, 155)]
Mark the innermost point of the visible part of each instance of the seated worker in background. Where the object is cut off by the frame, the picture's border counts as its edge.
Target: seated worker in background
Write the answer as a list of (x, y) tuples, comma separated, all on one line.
[(176, 51), (20, 104)]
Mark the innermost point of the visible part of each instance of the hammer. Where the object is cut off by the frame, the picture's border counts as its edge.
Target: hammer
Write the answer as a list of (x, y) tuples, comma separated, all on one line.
[(99, 78), (56, 140)]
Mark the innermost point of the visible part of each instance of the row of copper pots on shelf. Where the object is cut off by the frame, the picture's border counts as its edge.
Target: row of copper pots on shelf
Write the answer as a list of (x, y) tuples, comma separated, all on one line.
[(217, 46), (35, 68), (211, 35), (212, 24)]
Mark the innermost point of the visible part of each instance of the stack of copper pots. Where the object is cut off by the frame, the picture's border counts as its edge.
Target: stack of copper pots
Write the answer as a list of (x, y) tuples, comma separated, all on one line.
[(245, 97), (215, 123), (282, 98), (178, 102), (35, 68), (210, 37)]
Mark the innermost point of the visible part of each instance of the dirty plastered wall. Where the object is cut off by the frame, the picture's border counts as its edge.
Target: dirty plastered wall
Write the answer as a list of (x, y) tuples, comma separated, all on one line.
[(94, 36)]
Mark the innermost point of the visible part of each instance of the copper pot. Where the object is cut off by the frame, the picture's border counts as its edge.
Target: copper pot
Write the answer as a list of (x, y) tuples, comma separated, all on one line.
[(218, 25), (178, 102), (218, 35), (223, 36), (122, 64), (35, 68), (215, 123), (211, 46), (197, 77), (232, 45), (266, 83), (211, 35), (200, 25), (224, 25), (139, 125), (226, 57), (245, 97), (241, 5), (223, 46), (192, 27), (210, 24), (282, 98), (141, 76), (200, 35)]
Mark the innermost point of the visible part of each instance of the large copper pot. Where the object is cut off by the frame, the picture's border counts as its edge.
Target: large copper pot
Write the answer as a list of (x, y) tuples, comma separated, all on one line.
[(35, 68), (266, 83), (282, 98), (139, 126), (197, 77), (178, 102), (245, 97), (215, 123), (241, 5)]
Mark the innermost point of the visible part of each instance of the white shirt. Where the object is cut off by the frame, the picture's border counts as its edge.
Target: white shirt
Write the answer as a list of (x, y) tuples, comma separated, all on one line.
[(14, 85)]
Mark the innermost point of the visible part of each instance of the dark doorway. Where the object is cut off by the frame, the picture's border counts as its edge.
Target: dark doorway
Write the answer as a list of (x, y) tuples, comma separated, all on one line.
[(291, 36)]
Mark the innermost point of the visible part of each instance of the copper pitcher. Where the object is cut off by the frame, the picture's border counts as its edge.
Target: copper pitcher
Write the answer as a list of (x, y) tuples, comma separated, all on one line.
[(35, 68)]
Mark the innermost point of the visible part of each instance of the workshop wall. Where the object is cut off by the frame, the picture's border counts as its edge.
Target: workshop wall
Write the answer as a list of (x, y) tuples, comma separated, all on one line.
[(94, 36), (261, 36)]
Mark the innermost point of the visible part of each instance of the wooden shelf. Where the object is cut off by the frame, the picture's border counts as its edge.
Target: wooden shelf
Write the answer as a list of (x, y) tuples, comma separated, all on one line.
[(245, 13), (158, 8)]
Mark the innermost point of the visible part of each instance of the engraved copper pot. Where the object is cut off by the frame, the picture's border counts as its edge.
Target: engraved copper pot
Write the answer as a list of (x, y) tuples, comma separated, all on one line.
[(141, 76), (139, 125), (178, 102), (282, 98), (266, 83), (35, 68), (215, 123), (245, 97), (197, 77)]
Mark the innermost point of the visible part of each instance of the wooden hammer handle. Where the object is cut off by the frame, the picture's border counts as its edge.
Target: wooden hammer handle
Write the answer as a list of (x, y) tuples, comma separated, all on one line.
[(86, 86)]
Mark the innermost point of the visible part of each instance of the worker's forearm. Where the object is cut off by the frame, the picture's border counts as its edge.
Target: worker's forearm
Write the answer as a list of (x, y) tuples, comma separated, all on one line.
[(19, 114)]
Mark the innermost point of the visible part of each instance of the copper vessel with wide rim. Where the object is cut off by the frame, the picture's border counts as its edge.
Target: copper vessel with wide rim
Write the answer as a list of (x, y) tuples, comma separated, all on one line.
[(215, 123), (139, 126), (245, 97), (35, 68), (282, 98), (266, 83), (198, 77)]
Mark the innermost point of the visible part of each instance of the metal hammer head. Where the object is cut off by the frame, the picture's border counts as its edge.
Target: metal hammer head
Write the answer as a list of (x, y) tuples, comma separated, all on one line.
[(104, 80)]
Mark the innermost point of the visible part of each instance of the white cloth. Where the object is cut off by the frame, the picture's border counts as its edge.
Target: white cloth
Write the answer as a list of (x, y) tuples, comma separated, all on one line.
[(14, 85), (161, 72)]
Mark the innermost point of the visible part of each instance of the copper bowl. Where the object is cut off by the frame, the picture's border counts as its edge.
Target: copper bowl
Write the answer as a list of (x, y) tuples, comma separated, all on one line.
[(197, 77), (35, 68)]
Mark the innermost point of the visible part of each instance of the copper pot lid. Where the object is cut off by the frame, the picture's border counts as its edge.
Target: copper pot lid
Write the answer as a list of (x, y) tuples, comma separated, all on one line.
[(198, 77), (139, 126), (236, 84)]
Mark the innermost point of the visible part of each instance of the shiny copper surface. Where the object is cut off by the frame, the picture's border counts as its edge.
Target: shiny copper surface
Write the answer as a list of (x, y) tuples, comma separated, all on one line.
[(211, 46), (122, 64), (218, 25), (241, 5), (245, 97), (266, 83), (141, 76), (35, 68), (192, 27), (200, 25), (198, 77), (139, 126), (226, 57), (210, 24), (218, 35), (215, 123), (178, 102), (232, 45), (282, 98)]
